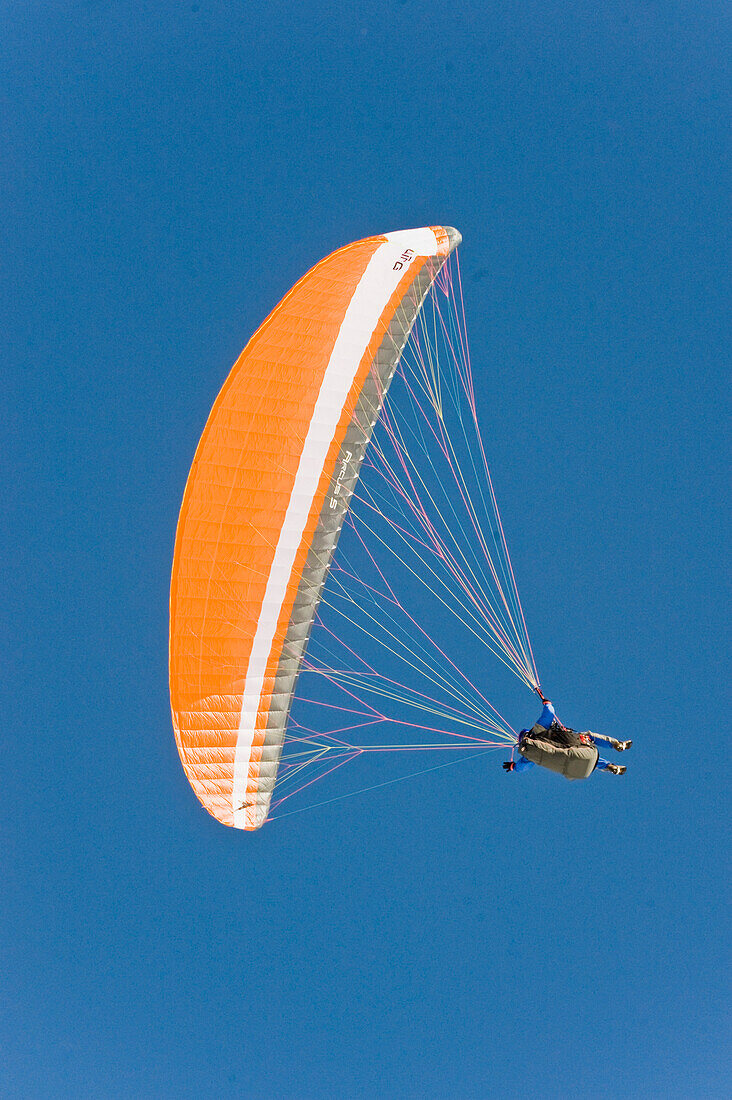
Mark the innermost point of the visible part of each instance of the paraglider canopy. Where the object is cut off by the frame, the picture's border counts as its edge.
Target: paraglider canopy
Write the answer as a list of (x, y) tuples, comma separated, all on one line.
[(264, 504)]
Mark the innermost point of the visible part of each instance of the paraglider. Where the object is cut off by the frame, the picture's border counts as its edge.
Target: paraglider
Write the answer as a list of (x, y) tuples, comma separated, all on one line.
[(574, 755), (302, 442)]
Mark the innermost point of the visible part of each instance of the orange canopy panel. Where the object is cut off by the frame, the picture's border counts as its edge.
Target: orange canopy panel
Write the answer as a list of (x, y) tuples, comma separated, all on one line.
[(265, 501)]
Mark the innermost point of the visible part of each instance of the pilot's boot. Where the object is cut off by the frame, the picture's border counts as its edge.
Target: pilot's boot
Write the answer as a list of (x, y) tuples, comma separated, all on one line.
[(616, 769)]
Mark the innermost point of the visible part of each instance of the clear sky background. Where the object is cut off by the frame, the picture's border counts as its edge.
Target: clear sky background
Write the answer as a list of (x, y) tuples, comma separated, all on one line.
[(168, 171)]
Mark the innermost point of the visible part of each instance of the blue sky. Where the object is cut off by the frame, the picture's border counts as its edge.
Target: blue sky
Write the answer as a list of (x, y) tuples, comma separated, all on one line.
[(168, 171)]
